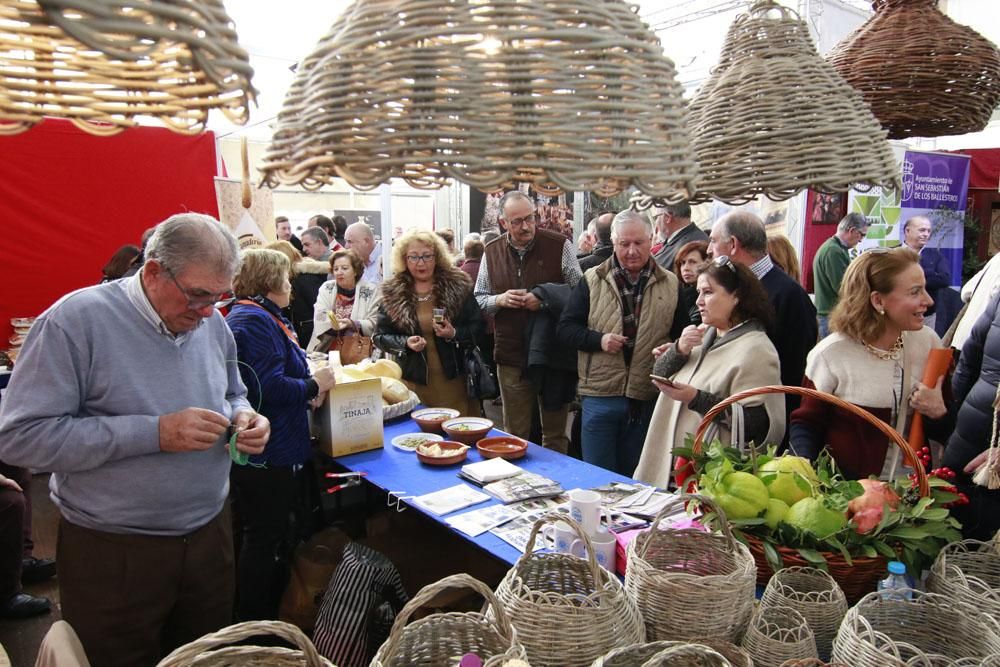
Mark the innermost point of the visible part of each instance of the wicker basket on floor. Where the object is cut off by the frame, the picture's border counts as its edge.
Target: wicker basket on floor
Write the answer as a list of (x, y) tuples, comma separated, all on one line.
[(814, 594), (812, 662), (860, 576), (568, 611), (923, 74), (930, 629), (439, 639), (776, 635), (969, 571), (690, 583), (637, 654), (213, 650), (683, 654)]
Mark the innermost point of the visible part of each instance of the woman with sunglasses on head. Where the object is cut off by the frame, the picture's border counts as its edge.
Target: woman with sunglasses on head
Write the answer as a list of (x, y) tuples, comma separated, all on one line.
[(427, 315), (729, 352), (875, 359), (687, 261), (273, 368)]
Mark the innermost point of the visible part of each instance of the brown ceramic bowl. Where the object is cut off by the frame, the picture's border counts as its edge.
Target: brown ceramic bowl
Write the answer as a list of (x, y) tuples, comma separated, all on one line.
[(467, 430), (460, 452), (503, 446), (430, 419)]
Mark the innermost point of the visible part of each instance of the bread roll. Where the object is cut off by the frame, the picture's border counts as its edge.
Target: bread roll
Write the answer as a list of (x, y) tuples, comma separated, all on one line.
[(394, 391), (386, 368)]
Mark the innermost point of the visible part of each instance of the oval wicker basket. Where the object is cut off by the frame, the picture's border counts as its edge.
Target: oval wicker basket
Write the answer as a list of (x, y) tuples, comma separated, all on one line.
[(687, 655), (212, 650), (637, 654), (690, 583), (568, 611), (439, 638), (969, 571), (858, 578), (778, 634), (812, 662), (814, 594), (930, 629)]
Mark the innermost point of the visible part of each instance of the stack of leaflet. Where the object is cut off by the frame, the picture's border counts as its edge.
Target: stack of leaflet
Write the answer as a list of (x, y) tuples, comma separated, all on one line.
[(489, 470)]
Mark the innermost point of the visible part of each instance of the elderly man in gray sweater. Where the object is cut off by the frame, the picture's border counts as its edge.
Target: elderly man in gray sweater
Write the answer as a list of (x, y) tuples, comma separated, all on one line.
[(127, 392)]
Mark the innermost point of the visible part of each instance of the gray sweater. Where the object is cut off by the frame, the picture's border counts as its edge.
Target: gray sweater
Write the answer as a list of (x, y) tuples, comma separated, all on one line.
[(84, 402)]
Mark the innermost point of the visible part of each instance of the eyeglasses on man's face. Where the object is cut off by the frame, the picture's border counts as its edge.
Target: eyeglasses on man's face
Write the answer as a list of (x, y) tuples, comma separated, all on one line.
[(198, 299), (420, 259), (523, 221)]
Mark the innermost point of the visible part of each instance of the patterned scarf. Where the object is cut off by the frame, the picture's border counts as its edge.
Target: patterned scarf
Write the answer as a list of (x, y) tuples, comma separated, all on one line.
[(631, 298)]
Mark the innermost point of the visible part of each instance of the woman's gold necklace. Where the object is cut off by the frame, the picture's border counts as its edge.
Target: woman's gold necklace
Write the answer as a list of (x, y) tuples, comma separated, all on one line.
[(891, 353), (424, 297)]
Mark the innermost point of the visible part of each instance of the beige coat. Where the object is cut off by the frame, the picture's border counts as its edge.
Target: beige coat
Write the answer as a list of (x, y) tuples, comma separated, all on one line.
[(745, 361), (367, 297), (604, 374)]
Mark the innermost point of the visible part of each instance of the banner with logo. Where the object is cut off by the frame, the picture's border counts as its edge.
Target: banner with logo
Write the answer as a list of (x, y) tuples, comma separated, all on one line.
[(934, 186)]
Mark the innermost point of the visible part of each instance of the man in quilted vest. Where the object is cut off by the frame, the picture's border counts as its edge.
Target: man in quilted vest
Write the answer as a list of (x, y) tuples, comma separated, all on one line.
[(621, 311), (514, 264)]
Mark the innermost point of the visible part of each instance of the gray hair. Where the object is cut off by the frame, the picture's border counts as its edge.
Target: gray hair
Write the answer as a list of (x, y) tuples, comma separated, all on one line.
[(626, 217), (747, 228), (317, 234), (362, 226), (513, 195), (194, 238), (906, 224), (853, 221)]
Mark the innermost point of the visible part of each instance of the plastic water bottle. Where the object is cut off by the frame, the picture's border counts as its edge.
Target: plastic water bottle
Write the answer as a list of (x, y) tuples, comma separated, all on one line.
[(897, 585)]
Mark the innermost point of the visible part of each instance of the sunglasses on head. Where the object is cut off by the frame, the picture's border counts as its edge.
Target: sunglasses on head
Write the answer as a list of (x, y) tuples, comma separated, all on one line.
[(879, 250), (723, 260)]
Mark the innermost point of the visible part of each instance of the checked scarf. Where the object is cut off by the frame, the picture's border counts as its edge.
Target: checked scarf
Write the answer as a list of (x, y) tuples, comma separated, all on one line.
[(631, 299)]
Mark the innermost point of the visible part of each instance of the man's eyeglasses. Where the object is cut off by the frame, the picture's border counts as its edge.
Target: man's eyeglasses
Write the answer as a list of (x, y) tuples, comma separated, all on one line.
[(419, 259), (524, 221), (723, 260), (198, 299)]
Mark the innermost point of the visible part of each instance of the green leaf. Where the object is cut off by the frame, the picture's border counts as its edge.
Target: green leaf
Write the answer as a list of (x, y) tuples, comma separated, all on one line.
[(884, 549), (909, 533), (743, 523), (814, 557), (935, 514), (773, 557), (921, 505), (868, 551), (803, 483), (840, 547)]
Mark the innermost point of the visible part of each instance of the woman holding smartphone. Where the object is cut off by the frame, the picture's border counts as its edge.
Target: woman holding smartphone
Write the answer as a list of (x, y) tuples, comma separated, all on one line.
[(729, 352)]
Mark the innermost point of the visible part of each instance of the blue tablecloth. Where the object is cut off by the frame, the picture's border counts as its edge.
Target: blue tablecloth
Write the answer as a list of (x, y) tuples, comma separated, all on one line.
[(398, 471)]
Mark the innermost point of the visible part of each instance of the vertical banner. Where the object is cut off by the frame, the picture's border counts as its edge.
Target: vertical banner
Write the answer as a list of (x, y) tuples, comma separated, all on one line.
[(935, 185)]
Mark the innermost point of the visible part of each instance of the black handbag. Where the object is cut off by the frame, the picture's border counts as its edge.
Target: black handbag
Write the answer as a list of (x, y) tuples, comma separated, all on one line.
[(480, 380)]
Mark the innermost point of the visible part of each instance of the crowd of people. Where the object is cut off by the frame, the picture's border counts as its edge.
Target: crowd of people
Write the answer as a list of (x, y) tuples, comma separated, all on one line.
[(647, 329)]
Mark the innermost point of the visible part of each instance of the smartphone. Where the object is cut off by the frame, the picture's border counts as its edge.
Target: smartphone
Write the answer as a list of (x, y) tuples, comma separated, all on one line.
[(662, 379)]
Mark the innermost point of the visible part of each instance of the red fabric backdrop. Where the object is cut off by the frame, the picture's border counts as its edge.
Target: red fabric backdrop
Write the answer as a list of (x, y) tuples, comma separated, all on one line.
[(984, 170), (69, 199)]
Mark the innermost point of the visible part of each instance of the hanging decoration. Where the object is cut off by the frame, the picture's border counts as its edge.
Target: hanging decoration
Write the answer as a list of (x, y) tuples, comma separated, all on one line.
[(923, 74), (774, 118), (102, 63), (562, 94)]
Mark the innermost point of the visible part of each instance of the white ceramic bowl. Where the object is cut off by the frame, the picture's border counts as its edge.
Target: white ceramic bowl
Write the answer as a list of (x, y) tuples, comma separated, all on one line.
[(409, 442)]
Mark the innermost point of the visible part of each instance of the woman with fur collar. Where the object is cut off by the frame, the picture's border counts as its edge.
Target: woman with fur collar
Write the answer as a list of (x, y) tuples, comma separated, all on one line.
[(429, 344)]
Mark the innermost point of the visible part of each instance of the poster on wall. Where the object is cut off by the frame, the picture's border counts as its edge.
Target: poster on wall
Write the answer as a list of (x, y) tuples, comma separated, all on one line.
[(934, 186), (254, 227)]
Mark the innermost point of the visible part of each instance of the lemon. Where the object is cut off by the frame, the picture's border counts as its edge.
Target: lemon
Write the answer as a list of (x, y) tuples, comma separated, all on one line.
[(739, 494), (811, 516), (776, 511), (788, 478)]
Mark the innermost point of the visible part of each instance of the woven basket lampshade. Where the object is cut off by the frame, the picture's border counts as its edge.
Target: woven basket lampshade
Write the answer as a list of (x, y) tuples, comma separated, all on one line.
[(563, 94), (101, 63), (923, 74), (774, 118)]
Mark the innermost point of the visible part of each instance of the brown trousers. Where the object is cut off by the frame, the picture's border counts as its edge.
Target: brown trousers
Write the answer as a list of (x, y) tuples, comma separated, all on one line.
[(134, 598), (519, 395)]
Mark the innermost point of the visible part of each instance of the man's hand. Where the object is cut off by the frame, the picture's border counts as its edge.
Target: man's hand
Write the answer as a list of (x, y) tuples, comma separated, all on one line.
[(613, 343), (10, 484), (512, 298), (191, 429), (252, 431), (531, 302), (416, 343)]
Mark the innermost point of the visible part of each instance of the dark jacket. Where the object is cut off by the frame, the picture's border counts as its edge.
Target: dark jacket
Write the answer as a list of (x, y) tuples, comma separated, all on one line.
[(668, 251), (794, 330), (550, 364), (310, 274), (596, 258), (687, 302), (397, 321)]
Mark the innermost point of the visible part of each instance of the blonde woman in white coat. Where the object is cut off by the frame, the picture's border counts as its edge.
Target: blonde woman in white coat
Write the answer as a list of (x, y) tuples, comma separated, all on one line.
[(354, 301), (728, 353)]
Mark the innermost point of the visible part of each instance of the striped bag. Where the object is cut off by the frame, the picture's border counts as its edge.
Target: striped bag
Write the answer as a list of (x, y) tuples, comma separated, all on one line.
[(364, 585)]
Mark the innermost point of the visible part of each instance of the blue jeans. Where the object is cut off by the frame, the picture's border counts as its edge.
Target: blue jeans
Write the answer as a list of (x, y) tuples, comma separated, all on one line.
[(824, 326), (611, 434)]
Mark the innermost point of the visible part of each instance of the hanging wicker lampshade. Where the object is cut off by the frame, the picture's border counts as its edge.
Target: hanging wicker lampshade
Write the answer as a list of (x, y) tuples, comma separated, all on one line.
[(774, 117), (564, 94), (923, 74), (101, 63)]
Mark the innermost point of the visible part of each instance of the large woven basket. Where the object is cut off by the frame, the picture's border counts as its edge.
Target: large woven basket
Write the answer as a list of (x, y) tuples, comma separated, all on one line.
[(690, 583), (637, 654), (686, 655), (815, 595), (568, 611), (571, 95), (923, 74), (101, 64), (812, 662), (930, 629), (774, 118), (213, 650), (859, 577), (969, 571), (778, 634), (440, 639)]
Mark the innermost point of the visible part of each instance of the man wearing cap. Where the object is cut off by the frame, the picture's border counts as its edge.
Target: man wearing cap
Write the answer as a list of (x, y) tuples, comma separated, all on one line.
[(673, 223)]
